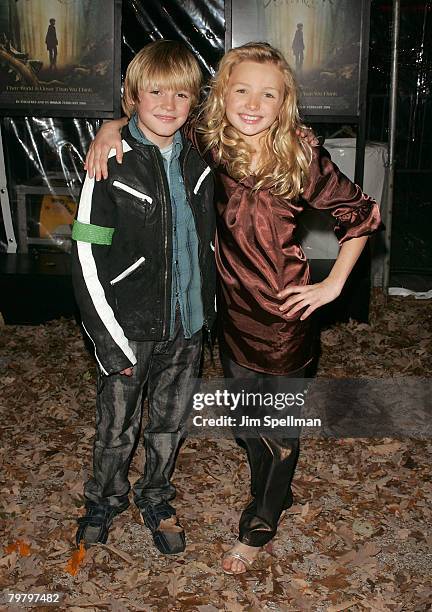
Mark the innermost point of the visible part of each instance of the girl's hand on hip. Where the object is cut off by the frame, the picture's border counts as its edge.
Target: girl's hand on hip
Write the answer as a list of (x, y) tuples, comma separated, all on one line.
[(127, 372), (309, 297)]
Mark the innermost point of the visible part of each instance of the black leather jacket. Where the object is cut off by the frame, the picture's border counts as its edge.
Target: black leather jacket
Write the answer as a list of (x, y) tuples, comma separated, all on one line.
[(122, 252)]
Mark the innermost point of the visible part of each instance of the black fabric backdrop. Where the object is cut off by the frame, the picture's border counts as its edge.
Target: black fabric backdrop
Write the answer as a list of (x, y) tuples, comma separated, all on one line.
[(49, 152)]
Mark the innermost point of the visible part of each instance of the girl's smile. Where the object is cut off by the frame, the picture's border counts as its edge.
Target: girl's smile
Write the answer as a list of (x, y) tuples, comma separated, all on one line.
[(250, 119)]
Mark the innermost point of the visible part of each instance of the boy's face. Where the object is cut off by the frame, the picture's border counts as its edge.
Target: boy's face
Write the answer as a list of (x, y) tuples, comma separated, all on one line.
[(161, 112)]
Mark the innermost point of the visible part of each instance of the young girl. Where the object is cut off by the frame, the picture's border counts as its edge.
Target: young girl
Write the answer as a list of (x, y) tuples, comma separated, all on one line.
[(265, 176)]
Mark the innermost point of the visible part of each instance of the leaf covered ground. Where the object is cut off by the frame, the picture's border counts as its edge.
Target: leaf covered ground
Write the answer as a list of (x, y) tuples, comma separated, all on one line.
[(358, 537)]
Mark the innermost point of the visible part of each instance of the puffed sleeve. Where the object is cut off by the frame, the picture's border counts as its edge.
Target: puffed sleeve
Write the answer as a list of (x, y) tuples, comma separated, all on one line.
[(327, 188)]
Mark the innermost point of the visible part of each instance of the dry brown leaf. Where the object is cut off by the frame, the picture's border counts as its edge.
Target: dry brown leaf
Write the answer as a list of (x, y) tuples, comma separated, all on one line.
[(89, 588), (119, 553), (205, 568), (392, 446), (334, 582), (9, 560), (346, 605), (176, 584)]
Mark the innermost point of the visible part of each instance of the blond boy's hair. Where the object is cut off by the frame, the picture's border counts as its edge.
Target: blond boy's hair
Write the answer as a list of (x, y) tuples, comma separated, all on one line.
[(285, 158), (164, 64)]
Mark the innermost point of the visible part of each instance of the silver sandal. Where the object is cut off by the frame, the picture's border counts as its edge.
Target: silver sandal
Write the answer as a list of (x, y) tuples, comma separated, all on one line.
[(248, 563)]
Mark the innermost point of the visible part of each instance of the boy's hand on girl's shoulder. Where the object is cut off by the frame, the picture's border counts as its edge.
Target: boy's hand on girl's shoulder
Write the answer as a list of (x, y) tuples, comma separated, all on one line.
[(107, 138), (96, 162), (127, 372), (309, 135)]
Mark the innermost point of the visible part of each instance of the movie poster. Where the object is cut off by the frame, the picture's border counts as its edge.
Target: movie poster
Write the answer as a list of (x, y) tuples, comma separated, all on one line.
[(60, 57), (321, 40)]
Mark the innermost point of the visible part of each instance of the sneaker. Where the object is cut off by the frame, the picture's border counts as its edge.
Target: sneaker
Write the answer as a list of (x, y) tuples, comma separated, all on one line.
[(168, 534), (94, 526)]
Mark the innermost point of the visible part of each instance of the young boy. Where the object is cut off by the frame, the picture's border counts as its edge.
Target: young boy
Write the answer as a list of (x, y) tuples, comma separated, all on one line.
[(143, 273)]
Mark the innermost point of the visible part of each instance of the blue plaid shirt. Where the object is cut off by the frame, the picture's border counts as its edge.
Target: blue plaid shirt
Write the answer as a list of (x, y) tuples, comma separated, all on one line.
[(186, 276)]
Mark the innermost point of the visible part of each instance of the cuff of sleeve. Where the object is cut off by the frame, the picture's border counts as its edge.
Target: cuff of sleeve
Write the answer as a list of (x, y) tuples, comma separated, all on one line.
[(362, 221), (115, 368)]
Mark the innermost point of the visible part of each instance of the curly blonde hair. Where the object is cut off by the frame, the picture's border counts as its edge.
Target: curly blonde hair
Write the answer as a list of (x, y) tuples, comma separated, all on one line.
[(285, 158)]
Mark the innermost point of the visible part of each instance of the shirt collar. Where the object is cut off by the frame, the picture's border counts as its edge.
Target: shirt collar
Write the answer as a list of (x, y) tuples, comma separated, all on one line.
[(177, 144)]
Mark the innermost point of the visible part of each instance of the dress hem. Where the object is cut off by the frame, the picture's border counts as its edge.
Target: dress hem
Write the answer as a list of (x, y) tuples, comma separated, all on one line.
[(247, 366)]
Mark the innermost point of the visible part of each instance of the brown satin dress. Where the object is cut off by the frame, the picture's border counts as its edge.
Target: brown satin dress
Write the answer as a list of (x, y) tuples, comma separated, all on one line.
[(257, 255)]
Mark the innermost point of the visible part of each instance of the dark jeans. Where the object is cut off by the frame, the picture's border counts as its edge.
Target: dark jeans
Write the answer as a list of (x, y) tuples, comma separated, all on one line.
[(272, 458), (167, 368)]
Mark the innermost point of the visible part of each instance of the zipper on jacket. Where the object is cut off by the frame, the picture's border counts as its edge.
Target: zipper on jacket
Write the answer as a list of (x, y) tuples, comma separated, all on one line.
[(163, 181)]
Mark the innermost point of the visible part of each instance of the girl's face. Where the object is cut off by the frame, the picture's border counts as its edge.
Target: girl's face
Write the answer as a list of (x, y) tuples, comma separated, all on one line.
[(254, 96)]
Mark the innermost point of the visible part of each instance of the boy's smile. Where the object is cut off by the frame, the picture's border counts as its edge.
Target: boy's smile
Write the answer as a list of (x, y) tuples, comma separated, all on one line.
[(161, 112)]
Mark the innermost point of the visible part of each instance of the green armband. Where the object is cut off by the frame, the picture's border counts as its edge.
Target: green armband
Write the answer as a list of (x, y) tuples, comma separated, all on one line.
[(96, 234)]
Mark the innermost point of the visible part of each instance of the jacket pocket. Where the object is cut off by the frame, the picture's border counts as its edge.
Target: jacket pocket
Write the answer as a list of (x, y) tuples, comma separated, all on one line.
[(132, 191), (128, 271)]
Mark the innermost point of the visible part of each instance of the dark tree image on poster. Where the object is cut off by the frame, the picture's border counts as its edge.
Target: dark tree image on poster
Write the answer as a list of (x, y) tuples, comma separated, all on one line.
[(63, 48)]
